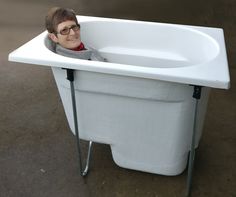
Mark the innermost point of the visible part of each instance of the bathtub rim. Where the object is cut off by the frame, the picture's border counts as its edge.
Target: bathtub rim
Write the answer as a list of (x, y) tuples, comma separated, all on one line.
[(214, 73)]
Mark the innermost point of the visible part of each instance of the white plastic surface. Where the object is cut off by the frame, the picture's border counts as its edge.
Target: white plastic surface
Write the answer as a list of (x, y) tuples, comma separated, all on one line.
[(168, 52), (140, 102), (148, 123)]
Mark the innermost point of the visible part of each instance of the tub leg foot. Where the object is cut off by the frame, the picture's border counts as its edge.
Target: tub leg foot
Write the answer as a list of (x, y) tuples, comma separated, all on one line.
[(83, 172), (197, 96)]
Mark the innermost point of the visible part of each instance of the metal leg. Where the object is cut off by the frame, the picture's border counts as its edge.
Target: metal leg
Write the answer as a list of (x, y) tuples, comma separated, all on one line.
[(83, 172), (191, 155), (196, 95)]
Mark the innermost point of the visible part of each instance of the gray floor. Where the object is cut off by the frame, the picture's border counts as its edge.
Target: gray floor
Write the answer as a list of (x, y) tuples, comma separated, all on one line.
[(37, 149)]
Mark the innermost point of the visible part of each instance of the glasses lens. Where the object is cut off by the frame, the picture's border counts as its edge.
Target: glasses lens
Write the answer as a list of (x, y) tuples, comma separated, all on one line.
[(75, 27), (65, 31)]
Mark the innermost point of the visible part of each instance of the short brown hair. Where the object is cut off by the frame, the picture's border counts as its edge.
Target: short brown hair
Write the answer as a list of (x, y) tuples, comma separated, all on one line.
[(57, 15)]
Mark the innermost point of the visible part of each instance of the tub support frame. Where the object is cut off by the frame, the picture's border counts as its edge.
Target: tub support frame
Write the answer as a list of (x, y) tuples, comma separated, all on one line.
[(196, 95), (83, 172)]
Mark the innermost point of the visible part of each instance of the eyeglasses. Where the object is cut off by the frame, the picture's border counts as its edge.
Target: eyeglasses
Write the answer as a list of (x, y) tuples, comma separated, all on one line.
[(66, 30)]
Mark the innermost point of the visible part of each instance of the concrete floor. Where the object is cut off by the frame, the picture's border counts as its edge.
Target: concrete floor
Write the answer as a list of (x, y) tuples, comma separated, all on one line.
[(38, 156)]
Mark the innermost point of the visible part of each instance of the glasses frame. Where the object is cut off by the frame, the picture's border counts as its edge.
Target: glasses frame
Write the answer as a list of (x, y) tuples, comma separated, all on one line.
[(66, 30)]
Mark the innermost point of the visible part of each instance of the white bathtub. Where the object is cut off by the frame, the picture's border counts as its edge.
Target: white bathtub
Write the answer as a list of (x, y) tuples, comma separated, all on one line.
[(140, 101)]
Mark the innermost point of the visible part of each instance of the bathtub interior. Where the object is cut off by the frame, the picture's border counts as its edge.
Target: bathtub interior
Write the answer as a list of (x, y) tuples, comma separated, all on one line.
[(157, 46), (175, 53)]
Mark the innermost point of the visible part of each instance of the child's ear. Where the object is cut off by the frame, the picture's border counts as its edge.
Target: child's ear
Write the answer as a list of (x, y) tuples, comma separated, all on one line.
[(53, 37)]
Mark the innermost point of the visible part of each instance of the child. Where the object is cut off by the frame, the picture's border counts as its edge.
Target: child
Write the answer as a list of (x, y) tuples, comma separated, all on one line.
[(64, 35)]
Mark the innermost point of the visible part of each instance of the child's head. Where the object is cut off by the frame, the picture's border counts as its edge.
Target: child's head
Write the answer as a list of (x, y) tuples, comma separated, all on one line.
[(63, 27)]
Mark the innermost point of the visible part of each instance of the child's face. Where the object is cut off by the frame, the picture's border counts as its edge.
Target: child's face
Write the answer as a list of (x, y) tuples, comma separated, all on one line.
[(72, 39)]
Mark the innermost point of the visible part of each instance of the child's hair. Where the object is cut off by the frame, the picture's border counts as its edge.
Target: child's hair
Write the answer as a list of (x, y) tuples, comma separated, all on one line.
[(57, 15)]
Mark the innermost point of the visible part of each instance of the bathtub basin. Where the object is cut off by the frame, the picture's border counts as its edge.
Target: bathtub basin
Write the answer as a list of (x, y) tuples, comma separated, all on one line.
[(140, 101)]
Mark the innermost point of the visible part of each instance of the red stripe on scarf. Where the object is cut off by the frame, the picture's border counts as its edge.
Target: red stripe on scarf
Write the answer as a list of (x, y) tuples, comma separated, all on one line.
[(80, 47)]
